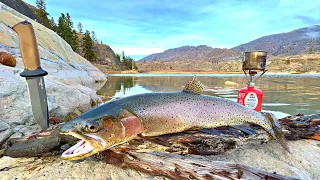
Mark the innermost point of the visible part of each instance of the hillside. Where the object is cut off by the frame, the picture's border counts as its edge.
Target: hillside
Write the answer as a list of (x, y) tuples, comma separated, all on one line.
[(304, 40), (22, 7), (105, 55), (193, 53)]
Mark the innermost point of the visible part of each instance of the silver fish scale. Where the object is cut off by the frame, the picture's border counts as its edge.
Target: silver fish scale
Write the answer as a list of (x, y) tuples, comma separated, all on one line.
[(163, 113)]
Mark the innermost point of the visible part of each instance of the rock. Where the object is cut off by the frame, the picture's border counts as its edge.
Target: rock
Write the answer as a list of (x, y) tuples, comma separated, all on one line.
[(24, 148), (106, 56), (29, 130), (34, 144), (65, 147), (7, 59), (230, 84), (16, 135), (4, 126), (2, 152), (69, 84), (23, 8), (5, 135), (18, 127)]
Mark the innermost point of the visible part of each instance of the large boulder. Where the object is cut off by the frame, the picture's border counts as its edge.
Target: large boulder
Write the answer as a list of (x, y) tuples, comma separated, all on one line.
[(69, 83)]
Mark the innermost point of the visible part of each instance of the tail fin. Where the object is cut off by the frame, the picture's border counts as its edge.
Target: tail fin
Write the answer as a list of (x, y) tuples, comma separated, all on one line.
[(276, 131)]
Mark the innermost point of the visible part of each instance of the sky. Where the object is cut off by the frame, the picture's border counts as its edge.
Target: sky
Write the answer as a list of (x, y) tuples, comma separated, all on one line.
[(142, 27)]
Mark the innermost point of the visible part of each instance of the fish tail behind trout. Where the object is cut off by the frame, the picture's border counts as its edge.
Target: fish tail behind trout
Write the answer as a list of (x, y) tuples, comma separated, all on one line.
[(275, 131)]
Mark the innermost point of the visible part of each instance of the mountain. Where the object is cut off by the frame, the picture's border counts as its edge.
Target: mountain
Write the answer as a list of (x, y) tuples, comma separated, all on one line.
[(304, 40), (300, 41), (191, 53), (22, 7)]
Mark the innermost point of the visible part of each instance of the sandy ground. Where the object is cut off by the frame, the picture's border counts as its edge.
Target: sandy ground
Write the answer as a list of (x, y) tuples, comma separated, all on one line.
[(302, 163), (55, 168)]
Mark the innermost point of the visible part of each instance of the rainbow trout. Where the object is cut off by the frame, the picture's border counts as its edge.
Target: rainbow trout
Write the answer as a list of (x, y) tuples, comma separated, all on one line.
[(154, 114)]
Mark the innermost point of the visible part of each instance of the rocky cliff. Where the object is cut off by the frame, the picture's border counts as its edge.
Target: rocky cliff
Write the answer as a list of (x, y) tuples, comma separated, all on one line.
[(22, 7), (105, 55), (68, 83)]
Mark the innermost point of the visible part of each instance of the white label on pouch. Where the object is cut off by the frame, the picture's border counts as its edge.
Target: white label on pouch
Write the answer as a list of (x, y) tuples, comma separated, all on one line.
[(251, 100)]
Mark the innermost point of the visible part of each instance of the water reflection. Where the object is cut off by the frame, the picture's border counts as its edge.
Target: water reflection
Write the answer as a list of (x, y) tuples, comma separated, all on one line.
[(287, 94)]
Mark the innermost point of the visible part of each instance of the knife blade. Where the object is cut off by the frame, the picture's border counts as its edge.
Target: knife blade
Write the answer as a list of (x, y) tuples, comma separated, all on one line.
[(33, 72)]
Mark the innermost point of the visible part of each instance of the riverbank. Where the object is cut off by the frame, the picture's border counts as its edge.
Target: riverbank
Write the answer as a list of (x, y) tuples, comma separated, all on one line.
[(196, 72), (296, 64), (168, 72)]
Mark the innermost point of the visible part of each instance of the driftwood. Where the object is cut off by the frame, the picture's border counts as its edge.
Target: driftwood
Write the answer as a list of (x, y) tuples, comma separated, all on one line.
[(301, 127), (175, 167), (164, 154)]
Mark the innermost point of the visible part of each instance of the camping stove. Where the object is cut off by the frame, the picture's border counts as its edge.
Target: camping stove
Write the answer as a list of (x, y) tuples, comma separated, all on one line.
[(252, 63)]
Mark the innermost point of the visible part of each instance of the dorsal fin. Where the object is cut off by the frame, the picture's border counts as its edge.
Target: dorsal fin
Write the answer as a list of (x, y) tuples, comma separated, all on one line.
[(194, 86)]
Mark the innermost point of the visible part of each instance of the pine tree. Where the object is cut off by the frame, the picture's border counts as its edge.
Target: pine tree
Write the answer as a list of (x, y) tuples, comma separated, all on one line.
[(88, 47), (42, 14), (129, 65), (62, 27), (80, 28), (135, 66), (69, 21), (118, 58), (74, 43), (53, 24), (41, 5), (93, 36), (66, 31), (123, 60)]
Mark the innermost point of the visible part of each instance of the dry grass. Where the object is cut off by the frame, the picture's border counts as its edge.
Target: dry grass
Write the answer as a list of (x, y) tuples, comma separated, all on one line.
[(303, 63), (185, 72)]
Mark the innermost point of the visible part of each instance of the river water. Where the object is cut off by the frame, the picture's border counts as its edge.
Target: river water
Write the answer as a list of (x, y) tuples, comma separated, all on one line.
[(283, 94)]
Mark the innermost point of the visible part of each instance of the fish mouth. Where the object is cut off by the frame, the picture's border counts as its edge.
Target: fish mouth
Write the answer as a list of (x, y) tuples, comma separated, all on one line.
[(88, 145)]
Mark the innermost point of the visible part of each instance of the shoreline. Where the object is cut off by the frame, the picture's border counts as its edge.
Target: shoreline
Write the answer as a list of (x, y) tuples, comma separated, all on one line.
[(202, 72)]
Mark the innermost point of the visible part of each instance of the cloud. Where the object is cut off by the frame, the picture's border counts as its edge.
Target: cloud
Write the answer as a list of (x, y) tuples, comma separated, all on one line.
[(308, 19)]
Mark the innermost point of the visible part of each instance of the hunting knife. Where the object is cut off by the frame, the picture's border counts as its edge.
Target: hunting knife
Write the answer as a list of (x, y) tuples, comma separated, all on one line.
[(33, 72)]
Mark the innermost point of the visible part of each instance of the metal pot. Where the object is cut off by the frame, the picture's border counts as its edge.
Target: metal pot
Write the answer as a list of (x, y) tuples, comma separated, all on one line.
[(255, 60)]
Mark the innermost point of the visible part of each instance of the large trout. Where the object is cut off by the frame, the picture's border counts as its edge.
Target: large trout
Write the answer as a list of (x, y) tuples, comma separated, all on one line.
[(154, 114)]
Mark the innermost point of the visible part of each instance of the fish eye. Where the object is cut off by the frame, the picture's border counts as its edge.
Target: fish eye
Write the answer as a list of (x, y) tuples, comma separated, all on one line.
[(91, 127)]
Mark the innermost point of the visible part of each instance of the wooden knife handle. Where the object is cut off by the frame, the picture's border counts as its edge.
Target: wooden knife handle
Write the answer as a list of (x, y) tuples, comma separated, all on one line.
[(28, 49)]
